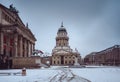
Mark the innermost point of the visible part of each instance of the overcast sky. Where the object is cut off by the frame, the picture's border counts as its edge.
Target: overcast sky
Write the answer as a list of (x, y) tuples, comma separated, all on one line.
[(92, 25)]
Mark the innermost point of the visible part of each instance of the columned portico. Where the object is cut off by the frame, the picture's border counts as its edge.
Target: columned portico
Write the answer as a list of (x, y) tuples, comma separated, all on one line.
[(19, 47), (14, 44), (22, 46), (16, 39)]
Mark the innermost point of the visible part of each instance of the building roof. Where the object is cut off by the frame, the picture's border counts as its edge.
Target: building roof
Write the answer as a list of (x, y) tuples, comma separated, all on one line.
[(12, 12), (62, 28)]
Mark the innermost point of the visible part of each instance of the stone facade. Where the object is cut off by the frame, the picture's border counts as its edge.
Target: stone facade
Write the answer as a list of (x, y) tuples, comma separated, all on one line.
[(26, 62), (62, 54), (109, 56), (16, 39), (89, 59)]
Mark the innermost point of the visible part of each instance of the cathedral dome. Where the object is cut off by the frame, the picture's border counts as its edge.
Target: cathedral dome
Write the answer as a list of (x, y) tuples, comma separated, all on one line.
[(62, 28)]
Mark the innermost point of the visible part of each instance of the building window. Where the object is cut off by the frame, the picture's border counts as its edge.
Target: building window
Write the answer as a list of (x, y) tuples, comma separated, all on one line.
[(7, 18), (3, 15), (58, 62), (5, 40), (11, 42), (69, 62), (59, 44), (54, 62), (23, 55), (4, 50), (10, 52), (65, 62), (73, 62)]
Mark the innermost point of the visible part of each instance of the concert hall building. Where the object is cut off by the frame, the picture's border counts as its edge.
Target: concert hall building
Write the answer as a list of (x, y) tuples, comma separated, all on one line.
[(16, 39)]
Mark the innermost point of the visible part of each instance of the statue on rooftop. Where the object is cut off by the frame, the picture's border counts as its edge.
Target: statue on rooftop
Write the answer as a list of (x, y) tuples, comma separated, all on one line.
[(13, 9)]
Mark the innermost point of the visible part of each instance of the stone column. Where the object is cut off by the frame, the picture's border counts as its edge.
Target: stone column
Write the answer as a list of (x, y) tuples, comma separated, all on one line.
[(31, 47), (15, 45), (1, 42), (21, 46), (25, 45), (29, 54), (26, 48), (7, 44)]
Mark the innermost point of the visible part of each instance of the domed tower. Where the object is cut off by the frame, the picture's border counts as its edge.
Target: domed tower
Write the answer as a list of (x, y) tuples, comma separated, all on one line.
[(62, 54), (62, 38)]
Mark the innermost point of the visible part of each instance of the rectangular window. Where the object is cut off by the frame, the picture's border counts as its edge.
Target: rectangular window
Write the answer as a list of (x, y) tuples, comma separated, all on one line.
[(5, 40), (58, 62), (69, 62), (54, 62), (4, 50), (65, 62), (10, 52), (11, 42)]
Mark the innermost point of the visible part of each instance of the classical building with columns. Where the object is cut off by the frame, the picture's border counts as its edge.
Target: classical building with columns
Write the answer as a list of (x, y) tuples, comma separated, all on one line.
[(62, 54), (16, 39)]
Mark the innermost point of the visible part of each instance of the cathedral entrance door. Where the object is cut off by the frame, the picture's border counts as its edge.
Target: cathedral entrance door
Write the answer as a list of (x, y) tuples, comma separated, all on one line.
[(62, 59)]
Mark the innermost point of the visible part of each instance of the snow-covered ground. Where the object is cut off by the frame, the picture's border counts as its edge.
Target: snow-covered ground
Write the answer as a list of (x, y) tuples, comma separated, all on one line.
[(58, 74)]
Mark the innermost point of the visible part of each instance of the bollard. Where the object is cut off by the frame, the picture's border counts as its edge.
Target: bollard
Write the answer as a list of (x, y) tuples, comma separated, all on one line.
[(24, 72)]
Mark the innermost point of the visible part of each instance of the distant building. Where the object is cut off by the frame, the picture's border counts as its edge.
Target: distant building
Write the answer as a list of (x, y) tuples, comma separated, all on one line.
[(16, 39), (109, 56), (90, 58), (62, 54)]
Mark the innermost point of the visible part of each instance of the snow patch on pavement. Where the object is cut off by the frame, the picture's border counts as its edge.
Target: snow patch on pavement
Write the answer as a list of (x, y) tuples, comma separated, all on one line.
[(66, 75)]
